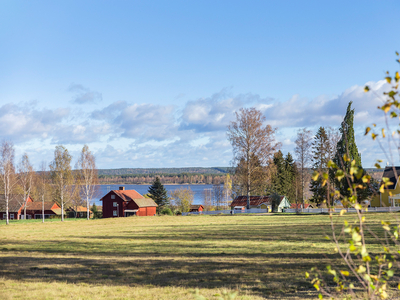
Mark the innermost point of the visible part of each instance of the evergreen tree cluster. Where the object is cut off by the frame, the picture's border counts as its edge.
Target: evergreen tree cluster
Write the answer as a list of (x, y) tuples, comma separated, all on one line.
[(325, 148), (284, 179)]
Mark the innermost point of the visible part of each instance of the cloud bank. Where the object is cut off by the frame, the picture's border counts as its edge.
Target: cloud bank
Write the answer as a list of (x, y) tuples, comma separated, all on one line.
[(130, 134)]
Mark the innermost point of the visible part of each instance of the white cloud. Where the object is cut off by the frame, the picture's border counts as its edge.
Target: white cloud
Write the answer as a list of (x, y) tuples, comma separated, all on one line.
[(148, 135)]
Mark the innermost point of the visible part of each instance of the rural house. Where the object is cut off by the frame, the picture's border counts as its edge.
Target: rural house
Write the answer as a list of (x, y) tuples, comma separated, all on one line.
[(125, 203), (196, 208), (15, 207), (384, 199), (300, 205), (263, 202), (78, 212), (34, 210)]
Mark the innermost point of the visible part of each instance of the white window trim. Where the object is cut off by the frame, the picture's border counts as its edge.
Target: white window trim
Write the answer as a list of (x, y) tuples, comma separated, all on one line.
[(11, 216), (4, 216), (114, 213), (115, 204)]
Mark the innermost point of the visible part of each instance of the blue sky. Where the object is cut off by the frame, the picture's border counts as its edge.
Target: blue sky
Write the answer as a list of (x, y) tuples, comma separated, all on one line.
[(155, 83)]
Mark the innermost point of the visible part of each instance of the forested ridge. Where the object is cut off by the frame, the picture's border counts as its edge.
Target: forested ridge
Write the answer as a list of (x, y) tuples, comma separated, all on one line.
[(192, 175), (164, 171)]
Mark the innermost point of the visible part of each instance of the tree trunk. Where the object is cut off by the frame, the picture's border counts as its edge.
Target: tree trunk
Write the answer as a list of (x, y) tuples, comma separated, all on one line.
[(42, 208), (88, 209), (302, 188), (7, 221), (62, 206), (248, 180)]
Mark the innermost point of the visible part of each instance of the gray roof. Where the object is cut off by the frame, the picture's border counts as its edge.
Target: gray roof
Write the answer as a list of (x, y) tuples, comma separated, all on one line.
[(145, 202)]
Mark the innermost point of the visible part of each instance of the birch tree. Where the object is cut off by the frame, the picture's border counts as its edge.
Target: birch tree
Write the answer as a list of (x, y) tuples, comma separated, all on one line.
[(25, 176), (182, 198), (61, 176), (87, 176), (250, 137), (42, 185), (303, 154), (7, 172)]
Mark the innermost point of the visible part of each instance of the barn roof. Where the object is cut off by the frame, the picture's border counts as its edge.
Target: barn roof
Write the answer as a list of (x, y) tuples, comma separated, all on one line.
[(196, 206), (392, 173), (300, 205), (145, 202), (14, 203), (48, 205), (254, 200), (77, 209)]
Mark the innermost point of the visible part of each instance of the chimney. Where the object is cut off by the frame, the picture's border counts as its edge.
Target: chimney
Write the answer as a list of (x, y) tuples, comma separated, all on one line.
[(121, 188)]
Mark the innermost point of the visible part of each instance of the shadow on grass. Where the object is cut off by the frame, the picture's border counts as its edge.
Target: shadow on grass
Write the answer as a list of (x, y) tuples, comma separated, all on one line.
[(256, 276)]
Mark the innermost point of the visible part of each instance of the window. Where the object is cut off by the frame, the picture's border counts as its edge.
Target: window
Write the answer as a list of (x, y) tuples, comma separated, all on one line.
[(4, 216), (12, 216), (115, 204), (112, 196), (114, 213)]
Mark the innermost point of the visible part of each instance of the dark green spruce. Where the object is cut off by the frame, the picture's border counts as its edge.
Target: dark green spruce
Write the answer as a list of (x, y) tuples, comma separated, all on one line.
[(159, 194), (347, 145)]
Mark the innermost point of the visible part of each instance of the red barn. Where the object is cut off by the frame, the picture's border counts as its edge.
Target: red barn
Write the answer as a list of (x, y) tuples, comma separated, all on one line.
[(126, 203), (15, 207), (196, 208), (34, 210)]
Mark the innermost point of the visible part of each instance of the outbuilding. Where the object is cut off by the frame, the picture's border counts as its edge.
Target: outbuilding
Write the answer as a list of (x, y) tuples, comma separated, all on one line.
[(196, 208)]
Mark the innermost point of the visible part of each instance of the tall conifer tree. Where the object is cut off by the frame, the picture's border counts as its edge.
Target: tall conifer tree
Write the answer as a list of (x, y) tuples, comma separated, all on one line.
[(290, 185), (347, 145), (159, 194)]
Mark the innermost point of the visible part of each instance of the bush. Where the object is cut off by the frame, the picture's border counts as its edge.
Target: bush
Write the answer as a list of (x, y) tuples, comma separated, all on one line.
[(166, 211)]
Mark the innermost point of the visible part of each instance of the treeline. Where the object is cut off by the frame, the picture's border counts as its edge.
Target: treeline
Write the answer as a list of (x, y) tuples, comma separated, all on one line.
[(166, 171), (182, 178), (330, 154)]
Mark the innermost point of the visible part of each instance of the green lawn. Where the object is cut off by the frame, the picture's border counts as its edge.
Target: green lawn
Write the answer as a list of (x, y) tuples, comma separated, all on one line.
[(261, 256)]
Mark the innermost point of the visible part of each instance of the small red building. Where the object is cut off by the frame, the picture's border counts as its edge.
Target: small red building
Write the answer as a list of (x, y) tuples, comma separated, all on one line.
[(15, 207), (196, 208), (34, 210), (300, 205), (126, 203)]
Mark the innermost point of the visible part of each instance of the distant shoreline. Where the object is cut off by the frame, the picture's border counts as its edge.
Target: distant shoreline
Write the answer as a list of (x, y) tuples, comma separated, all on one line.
[(151, 184)]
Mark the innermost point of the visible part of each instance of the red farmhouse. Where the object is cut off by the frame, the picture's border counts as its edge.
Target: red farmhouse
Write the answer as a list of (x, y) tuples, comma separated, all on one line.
[(125, 203)]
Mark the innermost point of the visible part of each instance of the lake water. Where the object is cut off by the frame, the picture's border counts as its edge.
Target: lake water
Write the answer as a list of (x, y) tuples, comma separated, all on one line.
[(143, 189)]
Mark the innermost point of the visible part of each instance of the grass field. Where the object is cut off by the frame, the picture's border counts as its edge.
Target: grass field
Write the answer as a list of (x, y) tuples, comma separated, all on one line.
[(261, 256)]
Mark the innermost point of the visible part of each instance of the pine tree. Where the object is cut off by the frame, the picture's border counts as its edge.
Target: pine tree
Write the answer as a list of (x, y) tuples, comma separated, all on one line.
[(279, 178), (290, 178), (159, 194), (320, 158), (347, 145)]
